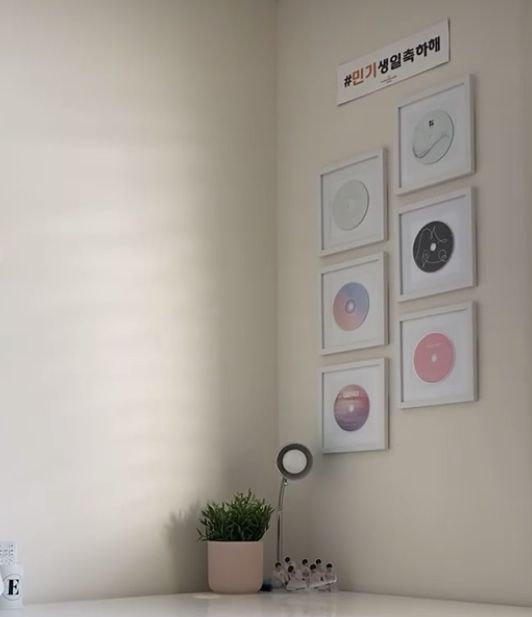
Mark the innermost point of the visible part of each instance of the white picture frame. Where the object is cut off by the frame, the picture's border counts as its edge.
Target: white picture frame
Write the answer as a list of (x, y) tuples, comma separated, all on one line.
[(353, 407), (353, 203), (435, 136), (436, 240), (438, 356), (354, 305)]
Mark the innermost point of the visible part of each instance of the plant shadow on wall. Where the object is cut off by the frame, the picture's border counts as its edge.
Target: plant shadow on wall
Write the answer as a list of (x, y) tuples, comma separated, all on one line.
[(189, 555)]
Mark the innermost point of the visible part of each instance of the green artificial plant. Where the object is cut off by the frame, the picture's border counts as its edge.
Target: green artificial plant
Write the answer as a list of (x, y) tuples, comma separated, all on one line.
[(245, 518)]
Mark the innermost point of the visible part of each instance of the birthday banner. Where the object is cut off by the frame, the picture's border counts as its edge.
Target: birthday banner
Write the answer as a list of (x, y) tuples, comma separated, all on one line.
[(394, 63)]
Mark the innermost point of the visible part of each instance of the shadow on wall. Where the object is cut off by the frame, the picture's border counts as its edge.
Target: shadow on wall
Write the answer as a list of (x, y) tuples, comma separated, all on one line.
[(189, 555)]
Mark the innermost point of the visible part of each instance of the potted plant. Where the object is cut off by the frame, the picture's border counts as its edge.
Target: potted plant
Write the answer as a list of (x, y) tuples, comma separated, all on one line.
[(233, 531)]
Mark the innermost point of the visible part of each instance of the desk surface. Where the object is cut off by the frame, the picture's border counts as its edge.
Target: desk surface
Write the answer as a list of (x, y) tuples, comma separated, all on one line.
[(339, 604)]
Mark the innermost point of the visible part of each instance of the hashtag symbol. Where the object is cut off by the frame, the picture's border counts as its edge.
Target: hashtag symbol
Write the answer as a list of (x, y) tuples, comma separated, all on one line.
[(347, 80)]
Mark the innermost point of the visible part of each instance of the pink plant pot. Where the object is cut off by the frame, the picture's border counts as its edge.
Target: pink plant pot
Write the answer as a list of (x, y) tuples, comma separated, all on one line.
[(235, 567)]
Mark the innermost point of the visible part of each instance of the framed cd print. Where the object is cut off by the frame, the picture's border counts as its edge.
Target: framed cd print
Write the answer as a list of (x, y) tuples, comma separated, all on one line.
[(353, 407), (352, 203), (435, 136), (436, 241), (353, 305), (438, 356)]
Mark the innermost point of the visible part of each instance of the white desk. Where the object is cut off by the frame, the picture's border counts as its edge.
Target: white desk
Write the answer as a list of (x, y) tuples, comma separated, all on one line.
[(341, 604)]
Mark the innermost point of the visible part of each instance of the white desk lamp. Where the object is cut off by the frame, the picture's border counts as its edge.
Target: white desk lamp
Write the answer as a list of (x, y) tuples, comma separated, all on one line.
[(294, 461)]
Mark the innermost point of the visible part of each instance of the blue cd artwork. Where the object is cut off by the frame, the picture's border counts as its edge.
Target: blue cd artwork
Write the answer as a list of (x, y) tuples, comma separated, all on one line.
[(433, 246)]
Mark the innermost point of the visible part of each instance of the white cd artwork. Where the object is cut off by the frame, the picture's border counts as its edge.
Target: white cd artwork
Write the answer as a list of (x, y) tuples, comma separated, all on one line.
[(350, 205), (432, 137)]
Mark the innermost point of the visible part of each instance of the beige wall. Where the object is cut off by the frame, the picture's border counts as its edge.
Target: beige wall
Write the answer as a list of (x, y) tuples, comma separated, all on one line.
[(137, 276), (447, 511), (137, 329)]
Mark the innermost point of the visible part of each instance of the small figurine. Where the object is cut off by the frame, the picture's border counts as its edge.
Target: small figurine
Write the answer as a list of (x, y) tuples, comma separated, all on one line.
[(305, 570), (330, 577), (315, 577), (319, 566), (295, 582), (278, 576)]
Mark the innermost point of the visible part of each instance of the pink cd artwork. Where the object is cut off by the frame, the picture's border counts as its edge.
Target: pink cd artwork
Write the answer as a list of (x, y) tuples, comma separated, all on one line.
[(434, 357), (351, 408)]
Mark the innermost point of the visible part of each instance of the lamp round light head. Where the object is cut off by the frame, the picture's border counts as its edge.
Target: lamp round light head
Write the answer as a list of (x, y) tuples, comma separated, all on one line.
[(294, 461)]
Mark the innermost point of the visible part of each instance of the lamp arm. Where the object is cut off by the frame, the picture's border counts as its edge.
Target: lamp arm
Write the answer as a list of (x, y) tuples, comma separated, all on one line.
[(284, 483)]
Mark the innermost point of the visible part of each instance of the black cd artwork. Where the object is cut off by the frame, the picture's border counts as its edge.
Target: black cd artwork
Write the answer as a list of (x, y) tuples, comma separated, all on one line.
[(433, 246)]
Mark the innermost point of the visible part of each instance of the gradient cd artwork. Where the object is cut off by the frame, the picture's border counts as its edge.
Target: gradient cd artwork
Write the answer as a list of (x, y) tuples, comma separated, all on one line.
[(433, 357), (351, 306), (351, 408), (433, 246), (350, 205), (432, 137)]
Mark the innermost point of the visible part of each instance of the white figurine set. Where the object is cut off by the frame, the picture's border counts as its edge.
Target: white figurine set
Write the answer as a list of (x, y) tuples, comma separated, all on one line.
[(313, 577), (11, 576)]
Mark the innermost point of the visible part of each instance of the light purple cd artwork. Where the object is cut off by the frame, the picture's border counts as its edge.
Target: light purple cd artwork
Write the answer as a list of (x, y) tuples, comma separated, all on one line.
[(351, 408), (351, 306)]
